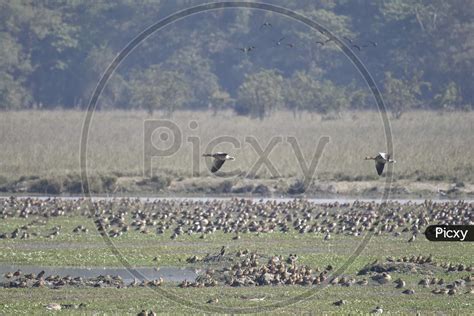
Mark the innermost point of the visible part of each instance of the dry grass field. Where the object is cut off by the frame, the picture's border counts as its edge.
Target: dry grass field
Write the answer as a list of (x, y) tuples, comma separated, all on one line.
[(428, 146)]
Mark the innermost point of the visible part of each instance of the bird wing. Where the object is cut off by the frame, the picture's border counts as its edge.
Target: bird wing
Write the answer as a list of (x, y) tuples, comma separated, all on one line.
[(379, 166), (217, 165), (220, 155)]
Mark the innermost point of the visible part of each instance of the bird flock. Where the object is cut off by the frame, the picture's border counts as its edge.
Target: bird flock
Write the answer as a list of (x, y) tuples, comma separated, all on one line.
[(381, 159), (220, 158), (176, 218), (286, 42), (115, 218)]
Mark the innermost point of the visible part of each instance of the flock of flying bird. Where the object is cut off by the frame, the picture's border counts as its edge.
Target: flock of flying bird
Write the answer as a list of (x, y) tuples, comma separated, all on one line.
[(380, 160), (283, 42)]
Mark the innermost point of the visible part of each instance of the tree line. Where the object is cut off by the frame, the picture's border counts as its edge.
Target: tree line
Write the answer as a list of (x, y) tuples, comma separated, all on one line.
[(52, 54)]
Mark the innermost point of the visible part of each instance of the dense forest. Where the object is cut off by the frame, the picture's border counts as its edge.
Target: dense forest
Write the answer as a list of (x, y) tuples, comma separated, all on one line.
[(421, 54)]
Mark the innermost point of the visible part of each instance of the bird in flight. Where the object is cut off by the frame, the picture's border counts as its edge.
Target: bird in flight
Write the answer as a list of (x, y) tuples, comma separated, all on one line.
[(356, 47), (290, 45), (278, 43), (219, 159), (374, 44), (348, 39), (324, 43), (380, 160), (265, 25), (247, 49)]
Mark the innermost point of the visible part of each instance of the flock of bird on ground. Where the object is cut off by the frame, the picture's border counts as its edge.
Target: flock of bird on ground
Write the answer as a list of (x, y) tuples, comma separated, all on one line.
[(283, 41), (176, 218), (116, 217)]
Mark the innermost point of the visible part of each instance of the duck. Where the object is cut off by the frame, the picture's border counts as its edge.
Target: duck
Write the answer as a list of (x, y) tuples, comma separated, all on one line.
[(378, 310), (380, 160), (372, 43), (219, 159)]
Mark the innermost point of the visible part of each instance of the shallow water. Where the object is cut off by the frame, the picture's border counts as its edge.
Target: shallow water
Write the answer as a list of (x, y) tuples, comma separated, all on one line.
[(169, 274)]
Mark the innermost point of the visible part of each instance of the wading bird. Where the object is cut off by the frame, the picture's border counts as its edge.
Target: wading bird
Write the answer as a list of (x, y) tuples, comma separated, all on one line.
[(219, 159), (380, 160)]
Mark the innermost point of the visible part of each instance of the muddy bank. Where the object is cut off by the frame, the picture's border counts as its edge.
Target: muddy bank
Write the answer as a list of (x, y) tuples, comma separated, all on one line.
[(166, 185)]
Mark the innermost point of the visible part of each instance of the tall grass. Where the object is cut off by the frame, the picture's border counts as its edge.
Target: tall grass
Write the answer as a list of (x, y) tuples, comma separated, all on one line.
[(427, 145)]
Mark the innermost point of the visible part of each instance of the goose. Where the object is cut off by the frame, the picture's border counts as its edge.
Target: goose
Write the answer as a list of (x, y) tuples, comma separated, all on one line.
[(372, 43), (247, 49), (380, 160), (219, 159), (378, 310), (278, 43), (348, 39), (53, 307), (266, 24)]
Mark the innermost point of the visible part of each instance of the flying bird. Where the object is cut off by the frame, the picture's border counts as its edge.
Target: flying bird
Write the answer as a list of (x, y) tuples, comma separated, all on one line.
[(374, 44), (380, 160), (278, 43), (266, 24), (219, 159), (348, 39), (247, 49), (290, 45)]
